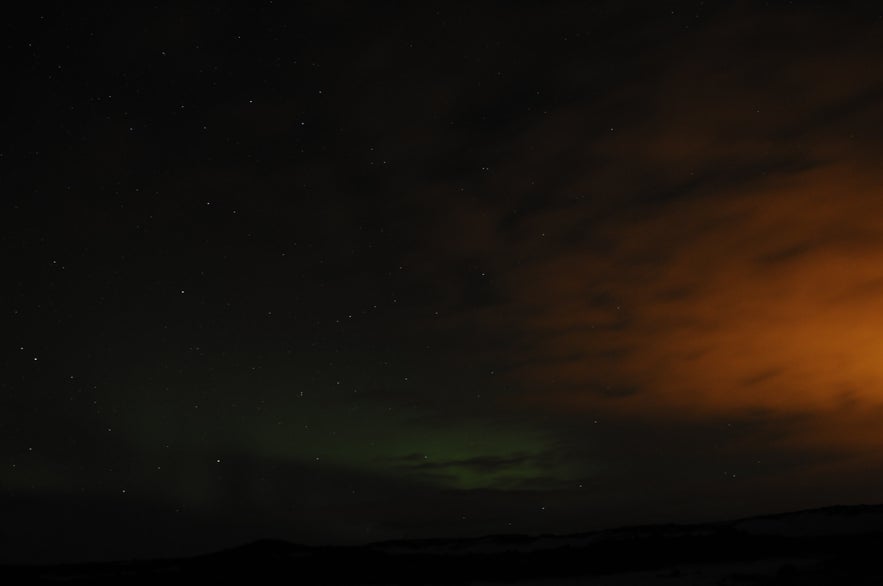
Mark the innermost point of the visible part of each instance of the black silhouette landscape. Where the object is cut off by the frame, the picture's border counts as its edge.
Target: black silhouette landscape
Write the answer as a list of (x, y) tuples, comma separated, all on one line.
[(836, 545)]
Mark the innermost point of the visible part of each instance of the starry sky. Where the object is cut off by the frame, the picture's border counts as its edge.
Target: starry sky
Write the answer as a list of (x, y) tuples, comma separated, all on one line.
[(340, 272)]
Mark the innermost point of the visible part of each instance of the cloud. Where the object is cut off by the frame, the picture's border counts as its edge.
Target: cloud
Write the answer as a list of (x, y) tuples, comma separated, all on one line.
[(702, 239)]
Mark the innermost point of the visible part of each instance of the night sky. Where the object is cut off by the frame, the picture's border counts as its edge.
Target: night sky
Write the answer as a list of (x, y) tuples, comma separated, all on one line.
[(344, 272)]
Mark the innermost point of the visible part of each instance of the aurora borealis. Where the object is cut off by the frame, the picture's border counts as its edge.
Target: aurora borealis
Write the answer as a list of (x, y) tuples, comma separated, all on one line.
[(339, 272)]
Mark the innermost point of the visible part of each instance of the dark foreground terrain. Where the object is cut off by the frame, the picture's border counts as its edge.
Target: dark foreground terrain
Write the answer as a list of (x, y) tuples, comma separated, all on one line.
[(838, 545)]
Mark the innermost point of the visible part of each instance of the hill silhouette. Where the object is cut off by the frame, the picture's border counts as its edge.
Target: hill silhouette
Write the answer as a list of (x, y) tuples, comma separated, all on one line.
[(820, 546)]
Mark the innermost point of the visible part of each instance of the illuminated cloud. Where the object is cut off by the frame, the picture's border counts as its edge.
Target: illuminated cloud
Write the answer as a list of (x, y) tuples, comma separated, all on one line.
[(706, 241)]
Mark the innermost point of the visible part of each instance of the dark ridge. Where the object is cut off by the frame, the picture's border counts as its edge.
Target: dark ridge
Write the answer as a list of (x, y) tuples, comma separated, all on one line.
[(803, 547)]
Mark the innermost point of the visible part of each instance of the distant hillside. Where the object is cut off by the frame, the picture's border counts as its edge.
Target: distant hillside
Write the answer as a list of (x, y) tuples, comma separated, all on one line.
[(835, 545)]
